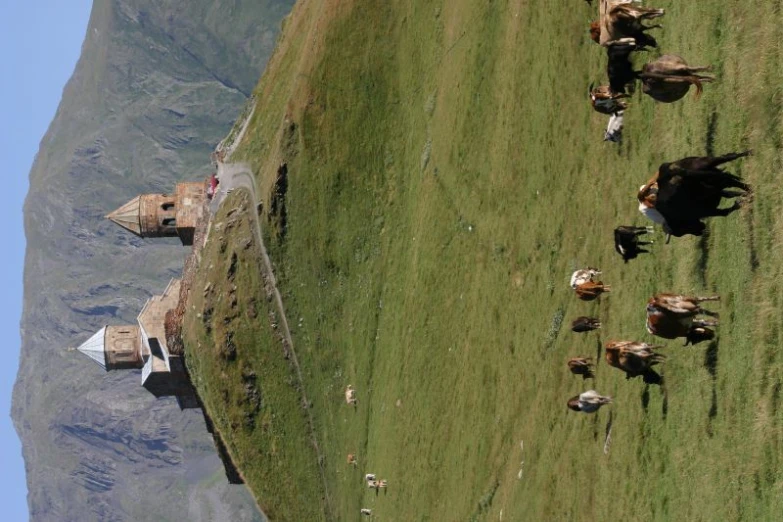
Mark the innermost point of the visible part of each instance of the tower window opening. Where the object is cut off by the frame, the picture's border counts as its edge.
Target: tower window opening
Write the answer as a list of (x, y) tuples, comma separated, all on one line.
[(170, 222), (167, 206)]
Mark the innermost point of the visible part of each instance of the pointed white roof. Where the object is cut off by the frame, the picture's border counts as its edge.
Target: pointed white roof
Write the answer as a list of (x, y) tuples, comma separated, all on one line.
[(128, 216), (94, 347)]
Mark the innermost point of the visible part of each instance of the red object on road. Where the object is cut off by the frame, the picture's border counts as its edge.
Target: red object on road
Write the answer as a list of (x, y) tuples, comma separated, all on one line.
[(213, 183)]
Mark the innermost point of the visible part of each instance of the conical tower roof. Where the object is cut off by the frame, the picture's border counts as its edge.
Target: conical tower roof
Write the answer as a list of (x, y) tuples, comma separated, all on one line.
[(94, 347), (128, 216)]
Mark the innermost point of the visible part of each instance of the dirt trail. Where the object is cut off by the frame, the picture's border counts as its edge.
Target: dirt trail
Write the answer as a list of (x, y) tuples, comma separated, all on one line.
[(239, 176)]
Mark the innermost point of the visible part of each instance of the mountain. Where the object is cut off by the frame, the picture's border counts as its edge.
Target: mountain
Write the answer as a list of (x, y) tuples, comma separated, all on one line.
[(157, 85)]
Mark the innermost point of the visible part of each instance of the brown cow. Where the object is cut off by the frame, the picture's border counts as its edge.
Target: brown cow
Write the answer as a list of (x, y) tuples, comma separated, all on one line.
[(605, 101), (625, 21), (672, 315), (585, 324), (591, 290), (668, 78), (582, 366), (634, 359)]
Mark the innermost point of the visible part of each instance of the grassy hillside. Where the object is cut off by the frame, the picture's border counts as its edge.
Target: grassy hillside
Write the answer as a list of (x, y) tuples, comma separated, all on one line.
[(446, 175)]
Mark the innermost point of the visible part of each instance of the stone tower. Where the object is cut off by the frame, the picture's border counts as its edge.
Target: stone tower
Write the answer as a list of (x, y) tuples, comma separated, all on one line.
[(164, 215), (115, 348), (144, 347)]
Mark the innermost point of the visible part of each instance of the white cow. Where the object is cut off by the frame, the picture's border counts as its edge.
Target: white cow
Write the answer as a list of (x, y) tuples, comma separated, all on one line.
[(585, 275)]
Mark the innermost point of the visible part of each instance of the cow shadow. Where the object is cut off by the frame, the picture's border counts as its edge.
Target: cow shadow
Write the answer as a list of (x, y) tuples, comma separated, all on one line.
[(712, 128), (711, 359), (711, 365)]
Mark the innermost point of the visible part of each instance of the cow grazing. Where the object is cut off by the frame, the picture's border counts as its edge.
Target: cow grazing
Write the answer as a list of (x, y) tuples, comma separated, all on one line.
[(684, 192), (352, 460), (627, 243), (366, 512), (588, 402), (672, 315), (350, 395), (619, 68), (591, 290), (624, 20), (605, 101), (582, 366), (669, 78), (614, 128), (585, 324), (583, 275), (635, 359)]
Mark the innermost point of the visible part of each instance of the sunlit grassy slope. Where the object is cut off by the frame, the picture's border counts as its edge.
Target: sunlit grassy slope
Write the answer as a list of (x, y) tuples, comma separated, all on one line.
[(446, 174)]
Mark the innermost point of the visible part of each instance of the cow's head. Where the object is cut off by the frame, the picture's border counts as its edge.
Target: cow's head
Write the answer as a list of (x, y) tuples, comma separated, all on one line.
[(699, 334), (648, 193)]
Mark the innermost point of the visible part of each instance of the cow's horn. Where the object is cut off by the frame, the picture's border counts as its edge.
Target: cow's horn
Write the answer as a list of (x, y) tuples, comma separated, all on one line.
[(590, 89)]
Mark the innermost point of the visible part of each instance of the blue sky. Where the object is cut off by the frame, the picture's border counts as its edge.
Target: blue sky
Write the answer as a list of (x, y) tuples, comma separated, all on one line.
[(39, 44)]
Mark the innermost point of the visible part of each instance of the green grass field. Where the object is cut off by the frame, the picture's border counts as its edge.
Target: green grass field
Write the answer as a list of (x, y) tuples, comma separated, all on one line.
[(446, 175)]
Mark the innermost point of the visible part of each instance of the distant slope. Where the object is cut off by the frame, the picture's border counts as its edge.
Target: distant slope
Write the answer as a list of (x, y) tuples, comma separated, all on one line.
[(158, 84), (445, 174)]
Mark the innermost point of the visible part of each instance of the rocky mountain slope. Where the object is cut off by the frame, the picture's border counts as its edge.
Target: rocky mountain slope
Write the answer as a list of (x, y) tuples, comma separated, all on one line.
[(157, 86)]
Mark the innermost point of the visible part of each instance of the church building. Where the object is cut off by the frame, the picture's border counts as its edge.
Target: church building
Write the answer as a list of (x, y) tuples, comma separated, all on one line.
[(164, 215), (144, 347)]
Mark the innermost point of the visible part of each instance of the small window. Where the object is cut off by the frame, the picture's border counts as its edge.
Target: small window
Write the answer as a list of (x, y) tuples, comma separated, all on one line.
[(167, 206), (170, 222)]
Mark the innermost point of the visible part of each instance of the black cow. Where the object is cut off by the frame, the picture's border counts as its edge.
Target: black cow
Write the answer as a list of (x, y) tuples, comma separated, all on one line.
[(686, 191), (585, 324), (627, 243)]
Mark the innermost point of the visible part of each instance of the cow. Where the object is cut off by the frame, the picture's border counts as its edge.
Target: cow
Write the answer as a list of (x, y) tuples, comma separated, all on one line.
[(635, 359), (582, 366), (666, 79), (669, 78), (585, 324), (377, 484), (624, 20), (588, 402), (366, 512), (614, 128), (583, 275), (352, 460), (591, 290), (605, 101), (684, 192), (627, 243), (673, 315), (350, 395)]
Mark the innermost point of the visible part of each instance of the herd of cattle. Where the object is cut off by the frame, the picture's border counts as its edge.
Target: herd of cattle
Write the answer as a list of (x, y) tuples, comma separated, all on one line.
[(679, 197)]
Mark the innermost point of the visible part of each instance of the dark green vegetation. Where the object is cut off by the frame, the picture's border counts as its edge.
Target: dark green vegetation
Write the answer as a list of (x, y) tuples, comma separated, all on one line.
[(236, 342), (446, 175), (157, 86)]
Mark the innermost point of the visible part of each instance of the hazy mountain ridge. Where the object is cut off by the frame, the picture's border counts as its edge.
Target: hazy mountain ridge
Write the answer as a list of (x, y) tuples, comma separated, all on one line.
[(156, 87)]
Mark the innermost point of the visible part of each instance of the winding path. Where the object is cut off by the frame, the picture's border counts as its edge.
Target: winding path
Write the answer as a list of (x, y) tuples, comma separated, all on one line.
[(239, 176)]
